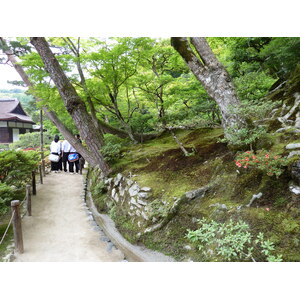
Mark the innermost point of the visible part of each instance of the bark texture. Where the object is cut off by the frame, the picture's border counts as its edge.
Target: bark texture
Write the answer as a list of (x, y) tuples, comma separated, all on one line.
[(213, 76)]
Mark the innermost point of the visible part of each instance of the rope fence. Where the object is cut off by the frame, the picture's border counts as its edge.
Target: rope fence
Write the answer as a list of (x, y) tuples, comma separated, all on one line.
[(11, 218), (19, 210), (9, 223)]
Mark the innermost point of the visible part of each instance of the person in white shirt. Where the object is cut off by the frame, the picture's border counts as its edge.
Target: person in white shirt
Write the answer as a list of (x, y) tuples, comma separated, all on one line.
[(71, 164), (55, 148), (65, 152)]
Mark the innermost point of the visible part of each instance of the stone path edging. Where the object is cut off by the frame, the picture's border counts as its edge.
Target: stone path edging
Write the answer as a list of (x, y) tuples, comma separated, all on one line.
[(132, 253)]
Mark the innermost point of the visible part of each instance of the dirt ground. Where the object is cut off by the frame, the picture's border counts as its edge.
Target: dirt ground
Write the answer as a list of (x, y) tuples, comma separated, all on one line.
[(60, 228)]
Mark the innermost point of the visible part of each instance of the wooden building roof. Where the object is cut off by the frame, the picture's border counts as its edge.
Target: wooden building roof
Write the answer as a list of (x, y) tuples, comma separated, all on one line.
[(12, 110)]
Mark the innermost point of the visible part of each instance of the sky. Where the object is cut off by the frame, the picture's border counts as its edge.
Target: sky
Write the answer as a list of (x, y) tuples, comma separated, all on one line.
[(8, 73)]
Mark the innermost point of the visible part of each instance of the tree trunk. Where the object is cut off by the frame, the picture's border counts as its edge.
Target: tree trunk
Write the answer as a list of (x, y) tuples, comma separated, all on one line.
[(214, 78), (73, 103)]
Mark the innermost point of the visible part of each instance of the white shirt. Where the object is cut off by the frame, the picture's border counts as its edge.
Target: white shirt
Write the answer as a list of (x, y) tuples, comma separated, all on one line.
[(55, 147), (66, 146), (72, 149)]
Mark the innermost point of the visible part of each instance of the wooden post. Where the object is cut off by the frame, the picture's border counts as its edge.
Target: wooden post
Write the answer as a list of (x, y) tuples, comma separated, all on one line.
[(42, 142), (41, 174), (33, 183), (17, 226), (44, 168), (28, 199)]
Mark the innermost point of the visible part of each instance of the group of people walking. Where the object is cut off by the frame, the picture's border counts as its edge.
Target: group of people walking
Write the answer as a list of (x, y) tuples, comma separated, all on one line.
[(64, 150)]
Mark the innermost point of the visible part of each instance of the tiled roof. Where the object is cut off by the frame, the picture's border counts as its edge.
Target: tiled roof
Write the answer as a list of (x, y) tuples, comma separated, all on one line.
[(7, 106)]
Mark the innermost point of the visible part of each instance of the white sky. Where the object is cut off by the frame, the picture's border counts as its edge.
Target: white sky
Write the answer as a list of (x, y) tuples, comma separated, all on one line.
[(8, 73)]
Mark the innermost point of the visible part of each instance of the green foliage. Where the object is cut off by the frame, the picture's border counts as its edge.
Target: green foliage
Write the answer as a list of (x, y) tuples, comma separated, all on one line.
[(269, 163), (253, 86), (31, 140), (282, 55), (245, 136), (16, 166), (6, 195), (231, 241), (250, 133), (112, 147)]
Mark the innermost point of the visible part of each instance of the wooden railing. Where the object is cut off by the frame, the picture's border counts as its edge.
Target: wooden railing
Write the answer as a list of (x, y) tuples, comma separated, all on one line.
[(16, 212)]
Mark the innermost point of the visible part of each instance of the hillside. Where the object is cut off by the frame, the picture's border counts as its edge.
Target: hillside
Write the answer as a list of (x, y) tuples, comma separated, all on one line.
[(179, 190)]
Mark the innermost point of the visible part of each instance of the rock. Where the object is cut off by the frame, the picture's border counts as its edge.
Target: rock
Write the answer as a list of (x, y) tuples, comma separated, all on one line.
[(110, 246), (293, 153), (134, 189), (295, 189), (143, 195), (292, 146), (187, 247), (259, 195), (108, 181), (154, 219), (133, 201), (116, 197), (138, 213), (113, 193), (219, 206), (283, 129), (121, 191), (146, 189), (194, 220), (199, 193), (144, 216), (105, 239), (142, 202), (129, 182), (139, 223), (118, 179), (296, 172)]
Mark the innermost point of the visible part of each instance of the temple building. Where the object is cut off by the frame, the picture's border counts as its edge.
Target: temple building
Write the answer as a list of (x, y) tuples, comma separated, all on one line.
[(13, 121)]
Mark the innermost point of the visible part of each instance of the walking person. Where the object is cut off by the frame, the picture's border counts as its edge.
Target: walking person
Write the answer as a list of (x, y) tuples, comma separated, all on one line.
[(55, 148), (71, 163), (65, 153)]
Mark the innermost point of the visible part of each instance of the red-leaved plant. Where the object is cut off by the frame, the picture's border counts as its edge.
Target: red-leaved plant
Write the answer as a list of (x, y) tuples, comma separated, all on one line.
[(269, 163)]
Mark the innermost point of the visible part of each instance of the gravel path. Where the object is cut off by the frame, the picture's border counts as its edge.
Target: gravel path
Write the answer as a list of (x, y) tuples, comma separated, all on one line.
[(61, 229)]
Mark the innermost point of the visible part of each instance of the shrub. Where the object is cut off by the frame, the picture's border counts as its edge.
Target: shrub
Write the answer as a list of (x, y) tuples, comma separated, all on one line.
[(6, 195), (31, 140), (16, 166), (231, 241), (269, 163), (112, 147)]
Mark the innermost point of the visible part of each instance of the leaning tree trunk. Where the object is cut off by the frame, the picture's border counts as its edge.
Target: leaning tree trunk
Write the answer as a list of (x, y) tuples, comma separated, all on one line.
[(88, 155), (73, 103), (214, 78)]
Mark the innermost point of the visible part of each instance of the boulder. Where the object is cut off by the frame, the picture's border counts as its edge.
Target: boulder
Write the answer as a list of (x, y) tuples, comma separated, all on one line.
[(118, 179), (296, 172), (199, 193), (134, 189), (292, 146), (142, 202), (146, 189), (143, 195), (293, 153), (144, 215)]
